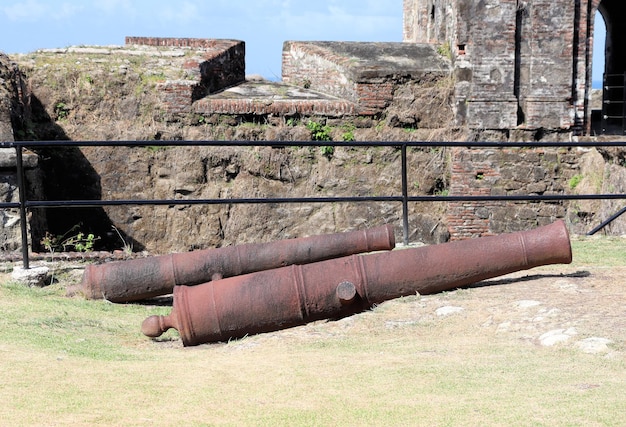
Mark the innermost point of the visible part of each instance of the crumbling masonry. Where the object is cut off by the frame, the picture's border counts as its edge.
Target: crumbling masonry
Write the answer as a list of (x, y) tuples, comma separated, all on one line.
[(521, 64), (504, 70)]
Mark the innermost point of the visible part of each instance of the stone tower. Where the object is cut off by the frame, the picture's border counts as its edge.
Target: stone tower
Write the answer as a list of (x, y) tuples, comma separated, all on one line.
[(521, 64)]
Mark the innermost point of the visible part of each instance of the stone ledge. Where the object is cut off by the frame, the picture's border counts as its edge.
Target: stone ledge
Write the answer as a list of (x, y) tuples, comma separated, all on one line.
[(265, 98), (8, 158), (328, 108), (366, 74)]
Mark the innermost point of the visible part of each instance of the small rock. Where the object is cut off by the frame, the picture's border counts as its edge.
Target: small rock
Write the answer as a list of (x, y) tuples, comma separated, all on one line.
[(594, 345), (556, 336), (527, 303), (34, 276), (448, 310), (255, 78)]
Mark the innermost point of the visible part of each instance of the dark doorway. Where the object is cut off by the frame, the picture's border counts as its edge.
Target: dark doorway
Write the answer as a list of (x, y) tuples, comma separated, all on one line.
[(613, 118)]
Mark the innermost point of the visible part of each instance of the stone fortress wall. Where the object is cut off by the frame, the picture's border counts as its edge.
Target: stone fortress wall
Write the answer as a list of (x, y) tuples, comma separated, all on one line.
[(526, 84)]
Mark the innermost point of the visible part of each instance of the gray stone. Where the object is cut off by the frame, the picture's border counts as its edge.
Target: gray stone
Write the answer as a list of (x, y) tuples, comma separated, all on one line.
[(556, 336), (33, 277), (527, 303), (448, 310), (594, 345)]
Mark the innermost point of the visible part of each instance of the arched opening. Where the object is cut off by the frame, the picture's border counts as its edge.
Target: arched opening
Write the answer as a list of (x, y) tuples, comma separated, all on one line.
[(613, 13), (599, 38)]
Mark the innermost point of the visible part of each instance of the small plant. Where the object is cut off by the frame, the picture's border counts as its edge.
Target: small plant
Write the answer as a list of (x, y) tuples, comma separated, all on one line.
[(79, 242), (319, 132), (444, 50), (61, 110), (574, 181), (348, 134), (328, 151), (156, 148), (127, 247)]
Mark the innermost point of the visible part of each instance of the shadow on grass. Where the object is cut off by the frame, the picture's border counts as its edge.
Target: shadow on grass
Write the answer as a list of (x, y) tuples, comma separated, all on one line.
[(530, 277)]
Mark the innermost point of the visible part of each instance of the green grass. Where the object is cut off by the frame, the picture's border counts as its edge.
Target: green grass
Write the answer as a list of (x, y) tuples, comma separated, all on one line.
[(599, 251), (45, 320)]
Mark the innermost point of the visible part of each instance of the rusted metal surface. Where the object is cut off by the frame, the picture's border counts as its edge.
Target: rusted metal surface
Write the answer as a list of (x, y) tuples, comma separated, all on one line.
[(133, 280), (280, 298)]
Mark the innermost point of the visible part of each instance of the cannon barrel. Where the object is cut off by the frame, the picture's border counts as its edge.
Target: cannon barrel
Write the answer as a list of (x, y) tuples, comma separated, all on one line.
[(133, 280), (290, 296)]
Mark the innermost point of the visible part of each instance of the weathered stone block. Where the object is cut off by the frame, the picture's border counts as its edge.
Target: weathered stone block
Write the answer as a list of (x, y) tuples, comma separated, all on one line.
[(367, 74)]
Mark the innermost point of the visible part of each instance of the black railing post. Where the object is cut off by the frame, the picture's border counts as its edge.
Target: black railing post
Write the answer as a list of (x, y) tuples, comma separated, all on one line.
[(21, 185), (624, 103), (405, 198), (607, 221)]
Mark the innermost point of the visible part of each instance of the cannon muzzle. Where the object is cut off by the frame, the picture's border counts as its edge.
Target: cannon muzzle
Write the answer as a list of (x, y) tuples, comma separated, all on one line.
[(133, 280), (284, 297)]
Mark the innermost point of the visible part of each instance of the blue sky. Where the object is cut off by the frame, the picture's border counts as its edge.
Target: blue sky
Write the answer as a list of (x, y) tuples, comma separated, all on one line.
[(27, 25)]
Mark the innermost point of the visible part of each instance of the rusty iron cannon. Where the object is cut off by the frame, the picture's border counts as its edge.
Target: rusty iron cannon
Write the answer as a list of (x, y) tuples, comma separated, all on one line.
[(134, 280), (284, 297)]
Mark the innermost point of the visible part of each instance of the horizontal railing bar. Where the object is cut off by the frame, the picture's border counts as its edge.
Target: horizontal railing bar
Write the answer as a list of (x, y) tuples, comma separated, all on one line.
[(129, 202), (9, 205), (100, 203), (19, 145), (162, 143)]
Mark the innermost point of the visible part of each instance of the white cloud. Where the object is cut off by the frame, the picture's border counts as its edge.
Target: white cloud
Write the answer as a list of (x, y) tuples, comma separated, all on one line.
[(34, 10), (28, 11)]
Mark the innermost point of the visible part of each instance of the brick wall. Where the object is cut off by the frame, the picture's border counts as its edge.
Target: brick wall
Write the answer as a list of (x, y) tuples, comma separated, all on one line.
[(218, 64), (313, 66), (499, 172), (216, 45), (529, 60), (519, 65), (368, 74)]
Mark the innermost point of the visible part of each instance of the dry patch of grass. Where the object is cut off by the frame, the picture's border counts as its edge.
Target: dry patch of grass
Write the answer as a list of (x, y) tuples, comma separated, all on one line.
[(69, 361)]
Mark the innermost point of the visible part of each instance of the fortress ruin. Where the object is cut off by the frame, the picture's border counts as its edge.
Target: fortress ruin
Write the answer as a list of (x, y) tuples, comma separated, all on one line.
[(470, 70)]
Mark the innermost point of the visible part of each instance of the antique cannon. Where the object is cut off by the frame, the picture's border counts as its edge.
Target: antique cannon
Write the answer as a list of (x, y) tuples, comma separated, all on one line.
[(133, 280), (285, 297)]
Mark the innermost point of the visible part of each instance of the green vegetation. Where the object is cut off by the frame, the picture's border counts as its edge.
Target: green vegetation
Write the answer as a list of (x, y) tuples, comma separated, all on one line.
[(292, 121), (598, 250), (319, 132), (72, 240), (61, 110), (327, 151), (348, 132), (574, 181), (127, 247), (445, 50)]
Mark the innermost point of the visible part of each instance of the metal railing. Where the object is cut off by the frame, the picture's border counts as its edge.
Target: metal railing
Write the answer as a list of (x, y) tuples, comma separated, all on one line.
[(24, 204), (614, 104)]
